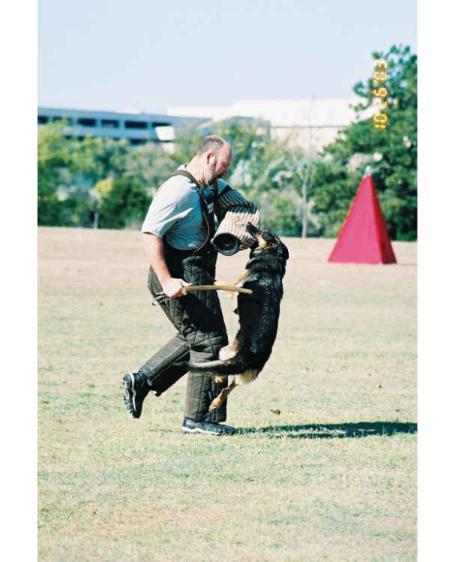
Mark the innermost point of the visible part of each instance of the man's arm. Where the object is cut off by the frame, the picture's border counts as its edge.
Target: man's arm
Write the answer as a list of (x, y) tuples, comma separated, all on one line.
[(154, 249)]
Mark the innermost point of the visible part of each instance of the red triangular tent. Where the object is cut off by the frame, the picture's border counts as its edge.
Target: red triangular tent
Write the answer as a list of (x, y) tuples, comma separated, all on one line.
[(363, 237)]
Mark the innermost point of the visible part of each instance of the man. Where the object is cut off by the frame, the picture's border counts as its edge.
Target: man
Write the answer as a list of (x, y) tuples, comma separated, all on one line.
[(178, 233)]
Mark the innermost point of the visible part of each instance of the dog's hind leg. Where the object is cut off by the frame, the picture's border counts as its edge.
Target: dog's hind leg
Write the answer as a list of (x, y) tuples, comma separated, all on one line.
[(244, 378), (217, 402)]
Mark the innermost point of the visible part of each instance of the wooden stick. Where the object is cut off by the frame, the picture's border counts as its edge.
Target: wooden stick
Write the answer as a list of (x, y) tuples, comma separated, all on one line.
[(218, 287)]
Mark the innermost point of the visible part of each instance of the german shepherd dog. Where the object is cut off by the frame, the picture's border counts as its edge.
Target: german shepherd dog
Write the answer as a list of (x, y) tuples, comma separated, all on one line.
[(258, 314)]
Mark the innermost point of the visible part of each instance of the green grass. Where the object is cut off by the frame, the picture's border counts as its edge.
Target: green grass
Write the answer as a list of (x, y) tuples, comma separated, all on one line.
[(333, 477)]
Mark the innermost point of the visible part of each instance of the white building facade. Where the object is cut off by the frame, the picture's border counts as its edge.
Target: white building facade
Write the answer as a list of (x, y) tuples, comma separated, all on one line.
[(310, 123)]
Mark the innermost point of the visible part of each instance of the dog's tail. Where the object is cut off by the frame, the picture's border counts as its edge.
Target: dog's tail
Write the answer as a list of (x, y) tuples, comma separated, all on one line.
[(232, 366)]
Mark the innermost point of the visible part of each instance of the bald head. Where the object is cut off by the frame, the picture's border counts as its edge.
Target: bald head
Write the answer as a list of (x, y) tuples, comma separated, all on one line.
[(211, 160), (212, 143)]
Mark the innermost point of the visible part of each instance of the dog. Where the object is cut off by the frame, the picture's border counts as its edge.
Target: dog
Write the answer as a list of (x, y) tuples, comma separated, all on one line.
[(258, 314)]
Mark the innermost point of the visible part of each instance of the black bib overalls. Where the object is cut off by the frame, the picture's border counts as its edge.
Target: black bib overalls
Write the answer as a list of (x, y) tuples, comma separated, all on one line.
[(198, 320)]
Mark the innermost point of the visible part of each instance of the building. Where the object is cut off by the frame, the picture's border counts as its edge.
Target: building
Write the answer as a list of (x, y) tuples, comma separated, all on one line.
[(137, 128), (308, 123)]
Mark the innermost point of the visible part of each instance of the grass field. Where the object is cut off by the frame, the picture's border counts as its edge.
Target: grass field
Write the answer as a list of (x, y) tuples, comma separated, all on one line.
[(332, 477)]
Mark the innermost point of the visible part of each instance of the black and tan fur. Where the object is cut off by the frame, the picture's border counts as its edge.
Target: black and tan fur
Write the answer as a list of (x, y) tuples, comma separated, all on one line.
[(258, 313)]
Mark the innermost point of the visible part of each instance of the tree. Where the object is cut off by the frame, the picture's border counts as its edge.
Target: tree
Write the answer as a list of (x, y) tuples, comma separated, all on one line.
[(98, 158), (123, 203), (149, 164), (391, 153), (270, 172), (77, 177), (186, 142), (53, 156)]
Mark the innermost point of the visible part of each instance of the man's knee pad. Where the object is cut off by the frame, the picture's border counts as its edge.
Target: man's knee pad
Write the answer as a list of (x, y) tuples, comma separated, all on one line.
[(206, 347)]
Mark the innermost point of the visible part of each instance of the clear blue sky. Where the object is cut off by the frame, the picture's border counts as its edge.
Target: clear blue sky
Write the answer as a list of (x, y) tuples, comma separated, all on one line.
[(149, 54)]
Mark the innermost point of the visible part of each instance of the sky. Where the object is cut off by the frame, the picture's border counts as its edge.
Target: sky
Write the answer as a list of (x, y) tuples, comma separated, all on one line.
[(146, 55)]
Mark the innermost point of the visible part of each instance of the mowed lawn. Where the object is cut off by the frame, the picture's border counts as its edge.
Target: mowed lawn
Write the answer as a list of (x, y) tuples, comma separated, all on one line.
[(331, 477)]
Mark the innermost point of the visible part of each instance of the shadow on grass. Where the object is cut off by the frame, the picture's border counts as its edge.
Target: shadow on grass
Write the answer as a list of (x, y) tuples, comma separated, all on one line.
[(332, 430)]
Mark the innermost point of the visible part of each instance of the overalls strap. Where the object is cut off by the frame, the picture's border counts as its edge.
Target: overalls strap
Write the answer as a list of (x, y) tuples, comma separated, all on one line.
[(207, 203)]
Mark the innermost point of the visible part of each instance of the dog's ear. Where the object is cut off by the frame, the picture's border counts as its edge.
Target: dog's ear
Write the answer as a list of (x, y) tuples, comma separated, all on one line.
[(283, 252), (252, 229)]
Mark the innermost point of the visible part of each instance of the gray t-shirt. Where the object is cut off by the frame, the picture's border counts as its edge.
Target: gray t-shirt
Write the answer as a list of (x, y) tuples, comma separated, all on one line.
[(176, 213)]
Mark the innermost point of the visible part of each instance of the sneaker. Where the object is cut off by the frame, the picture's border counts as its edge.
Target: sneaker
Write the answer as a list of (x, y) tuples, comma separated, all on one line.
[(190, 426), (135, 389)]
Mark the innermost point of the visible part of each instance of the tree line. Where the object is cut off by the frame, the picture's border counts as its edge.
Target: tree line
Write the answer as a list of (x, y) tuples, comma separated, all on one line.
[(107, 183)]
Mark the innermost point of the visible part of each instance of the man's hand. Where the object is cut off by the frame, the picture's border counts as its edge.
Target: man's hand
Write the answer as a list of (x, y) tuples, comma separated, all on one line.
[(154, 248), (174, 287)]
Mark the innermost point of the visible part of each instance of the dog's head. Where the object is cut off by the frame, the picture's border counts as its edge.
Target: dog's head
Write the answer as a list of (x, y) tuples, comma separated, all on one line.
[(266, 241)]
